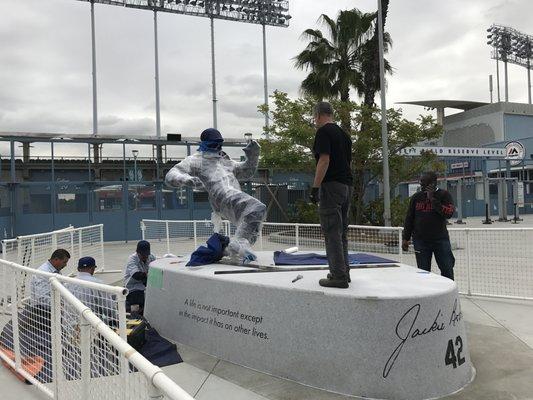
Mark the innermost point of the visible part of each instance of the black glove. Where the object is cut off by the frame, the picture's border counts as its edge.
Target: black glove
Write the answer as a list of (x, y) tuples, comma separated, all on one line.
[(140, 276), (314, 196)]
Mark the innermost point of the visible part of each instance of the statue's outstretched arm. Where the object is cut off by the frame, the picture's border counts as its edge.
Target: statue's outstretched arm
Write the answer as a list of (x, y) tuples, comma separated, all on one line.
[(246, 169)]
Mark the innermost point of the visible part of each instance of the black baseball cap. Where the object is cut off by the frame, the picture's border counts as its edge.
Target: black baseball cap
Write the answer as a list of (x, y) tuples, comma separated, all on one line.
[(143, 248), (86, 262)]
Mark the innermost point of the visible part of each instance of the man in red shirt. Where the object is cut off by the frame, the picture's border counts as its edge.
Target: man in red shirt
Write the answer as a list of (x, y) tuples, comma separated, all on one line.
[(426, 224)]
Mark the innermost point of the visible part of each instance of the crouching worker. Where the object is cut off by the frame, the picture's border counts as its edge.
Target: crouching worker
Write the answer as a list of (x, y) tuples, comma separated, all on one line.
[(136, 275)]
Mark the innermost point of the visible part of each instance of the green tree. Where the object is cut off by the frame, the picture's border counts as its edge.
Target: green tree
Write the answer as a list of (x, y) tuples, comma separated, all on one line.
[(337, 58), (292, 134)]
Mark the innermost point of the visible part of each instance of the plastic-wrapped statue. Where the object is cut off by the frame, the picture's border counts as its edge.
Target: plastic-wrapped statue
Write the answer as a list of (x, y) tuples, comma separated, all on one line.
[(212, 170)]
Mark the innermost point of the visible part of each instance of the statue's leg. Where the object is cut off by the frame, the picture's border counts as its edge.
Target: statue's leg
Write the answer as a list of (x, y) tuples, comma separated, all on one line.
[(250, 223), (249, 217), (246, 213), (216, 220)]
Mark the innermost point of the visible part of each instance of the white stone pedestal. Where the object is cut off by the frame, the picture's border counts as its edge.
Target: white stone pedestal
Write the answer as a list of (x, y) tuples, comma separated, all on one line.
[(396, 333)]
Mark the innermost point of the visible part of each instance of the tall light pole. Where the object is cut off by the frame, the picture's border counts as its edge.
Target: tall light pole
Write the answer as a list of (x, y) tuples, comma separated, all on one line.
[(93, 54), (265, 81), (384, 133), (135, 153), (490, 88), (528, 81), (213, 74), (498, 76), (506, 80), (157, 104)]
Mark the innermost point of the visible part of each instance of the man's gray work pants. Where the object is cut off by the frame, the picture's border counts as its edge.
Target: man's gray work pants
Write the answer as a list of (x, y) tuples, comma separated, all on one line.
[(333, 210)]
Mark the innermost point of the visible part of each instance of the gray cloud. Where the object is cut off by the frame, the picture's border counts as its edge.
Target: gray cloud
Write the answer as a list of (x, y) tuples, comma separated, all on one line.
[(439, 52)]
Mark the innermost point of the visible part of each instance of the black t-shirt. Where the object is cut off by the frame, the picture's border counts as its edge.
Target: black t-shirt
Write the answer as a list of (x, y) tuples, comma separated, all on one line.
[(331, 139)]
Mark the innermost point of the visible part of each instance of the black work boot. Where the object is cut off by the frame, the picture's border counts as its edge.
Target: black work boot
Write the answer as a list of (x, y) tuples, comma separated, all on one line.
[(347, 273), (334, 282)]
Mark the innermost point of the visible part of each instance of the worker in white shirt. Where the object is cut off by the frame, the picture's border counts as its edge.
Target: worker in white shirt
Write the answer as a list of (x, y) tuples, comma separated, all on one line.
[(40, 286), (34, 320), (136, 275), (99, 301)]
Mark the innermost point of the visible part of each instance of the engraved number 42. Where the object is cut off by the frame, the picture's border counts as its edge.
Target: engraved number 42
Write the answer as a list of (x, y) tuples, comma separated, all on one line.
[(450, 357)]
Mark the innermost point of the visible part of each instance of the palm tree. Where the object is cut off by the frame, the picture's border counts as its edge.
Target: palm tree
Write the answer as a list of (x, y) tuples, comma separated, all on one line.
[(336, 62), (346, 59)]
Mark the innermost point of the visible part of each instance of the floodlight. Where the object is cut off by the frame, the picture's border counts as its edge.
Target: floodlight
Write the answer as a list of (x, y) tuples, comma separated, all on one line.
[(264, 12), (510, 45)]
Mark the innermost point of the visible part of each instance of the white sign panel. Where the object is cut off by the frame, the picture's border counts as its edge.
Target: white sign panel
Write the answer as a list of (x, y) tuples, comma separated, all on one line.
[(515, 152), (520, 197), (413, 188), (459, 165), (456, 151)]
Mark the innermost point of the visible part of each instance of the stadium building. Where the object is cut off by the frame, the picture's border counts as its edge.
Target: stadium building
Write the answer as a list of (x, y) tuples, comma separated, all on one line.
[(509, 177)]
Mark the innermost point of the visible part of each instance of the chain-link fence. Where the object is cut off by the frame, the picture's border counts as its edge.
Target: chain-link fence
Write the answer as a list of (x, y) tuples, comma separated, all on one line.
[(489, 262)]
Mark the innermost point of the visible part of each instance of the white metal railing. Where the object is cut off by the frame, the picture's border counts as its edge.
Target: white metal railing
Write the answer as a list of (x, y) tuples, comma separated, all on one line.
[(71, 342), (26, 337), (33, 250), (489, 261), (100, 353)]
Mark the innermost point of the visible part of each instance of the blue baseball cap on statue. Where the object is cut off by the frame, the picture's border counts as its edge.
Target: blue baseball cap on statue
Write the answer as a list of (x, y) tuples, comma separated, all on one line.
[(211, 135), (86, 262)]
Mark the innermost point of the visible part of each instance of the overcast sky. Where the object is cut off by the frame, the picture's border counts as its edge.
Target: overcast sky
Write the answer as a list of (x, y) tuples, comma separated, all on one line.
[(439, 52)]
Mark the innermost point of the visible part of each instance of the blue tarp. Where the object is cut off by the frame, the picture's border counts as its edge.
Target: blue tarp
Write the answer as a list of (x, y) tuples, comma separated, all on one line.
[(282, 258), (210, 254)]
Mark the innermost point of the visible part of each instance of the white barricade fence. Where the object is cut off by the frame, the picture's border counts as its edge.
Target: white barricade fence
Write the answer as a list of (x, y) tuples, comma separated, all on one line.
[(489, 261), (68, 338), (494, 262), (33, 250), (94, 362), (25, 338), (178, 236), (9, 249)]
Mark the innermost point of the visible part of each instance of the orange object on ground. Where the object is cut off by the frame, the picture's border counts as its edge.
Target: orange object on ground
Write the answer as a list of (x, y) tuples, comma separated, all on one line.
[(32, 364)]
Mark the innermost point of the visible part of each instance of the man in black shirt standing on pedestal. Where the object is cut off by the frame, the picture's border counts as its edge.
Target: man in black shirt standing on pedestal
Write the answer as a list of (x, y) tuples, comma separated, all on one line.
[(426, 222), (332, 188)]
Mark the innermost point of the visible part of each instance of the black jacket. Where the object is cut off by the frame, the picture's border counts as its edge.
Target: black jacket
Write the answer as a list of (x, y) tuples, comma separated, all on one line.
[(426, 219)]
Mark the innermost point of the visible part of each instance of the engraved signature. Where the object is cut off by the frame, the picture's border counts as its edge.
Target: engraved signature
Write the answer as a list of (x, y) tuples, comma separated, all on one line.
[(404, 331)]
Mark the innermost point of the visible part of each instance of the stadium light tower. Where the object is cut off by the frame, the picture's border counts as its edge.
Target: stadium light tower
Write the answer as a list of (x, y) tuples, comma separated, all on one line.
[(262, 12), (510, 45)]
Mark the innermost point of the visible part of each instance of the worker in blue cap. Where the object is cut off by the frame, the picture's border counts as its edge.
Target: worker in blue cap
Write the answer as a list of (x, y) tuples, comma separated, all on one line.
[(212, 170), (99, 301), (136, 275)]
